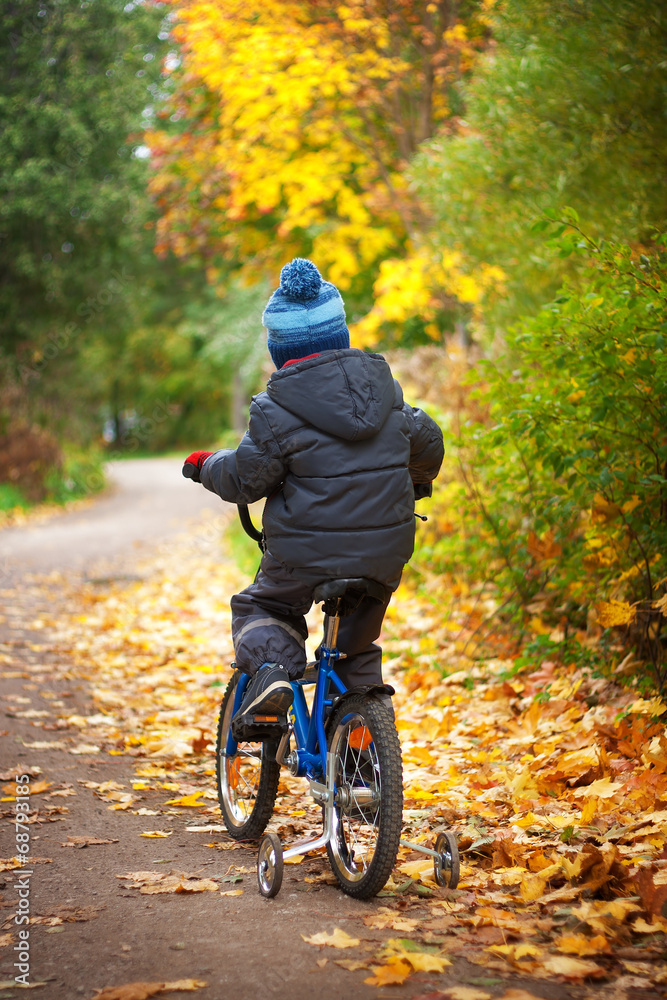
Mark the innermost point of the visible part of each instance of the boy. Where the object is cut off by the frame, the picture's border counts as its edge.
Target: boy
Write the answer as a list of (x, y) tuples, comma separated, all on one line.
[(341, 459)]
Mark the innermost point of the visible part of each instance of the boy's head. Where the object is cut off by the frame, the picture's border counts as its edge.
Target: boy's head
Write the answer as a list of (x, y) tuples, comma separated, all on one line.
[(305, 315)]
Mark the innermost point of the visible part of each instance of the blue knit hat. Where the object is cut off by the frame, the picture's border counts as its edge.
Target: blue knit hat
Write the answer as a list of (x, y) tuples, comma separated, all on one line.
[(305, 315)]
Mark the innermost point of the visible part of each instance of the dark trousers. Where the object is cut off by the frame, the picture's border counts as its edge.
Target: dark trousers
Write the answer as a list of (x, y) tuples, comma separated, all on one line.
[(268, 626)]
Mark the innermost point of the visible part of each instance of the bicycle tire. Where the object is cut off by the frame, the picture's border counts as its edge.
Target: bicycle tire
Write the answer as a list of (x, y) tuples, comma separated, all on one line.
[(447, 867), (270, 865), (369, 795), (247, 782)]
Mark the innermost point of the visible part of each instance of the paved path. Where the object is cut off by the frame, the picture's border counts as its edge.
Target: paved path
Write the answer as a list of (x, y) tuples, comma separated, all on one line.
[(245, 948), (148, 501)]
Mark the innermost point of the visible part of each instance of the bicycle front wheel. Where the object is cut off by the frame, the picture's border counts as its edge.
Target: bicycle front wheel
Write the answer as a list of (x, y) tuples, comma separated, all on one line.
[(369, 795), (247, 779)]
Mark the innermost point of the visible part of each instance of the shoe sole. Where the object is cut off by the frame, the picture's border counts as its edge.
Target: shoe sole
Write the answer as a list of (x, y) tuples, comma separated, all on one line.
[(275, 700)]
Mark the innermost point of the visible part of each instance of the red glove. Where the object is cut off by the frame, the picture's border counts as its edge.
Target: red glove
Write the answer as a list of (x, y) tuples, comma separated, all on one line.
[(193, 463)]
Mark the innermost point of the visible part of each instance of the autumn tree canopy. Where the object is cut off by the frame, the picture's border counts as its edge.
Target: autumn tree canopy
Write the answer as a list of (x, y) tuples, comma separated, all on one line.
[(294, 124)]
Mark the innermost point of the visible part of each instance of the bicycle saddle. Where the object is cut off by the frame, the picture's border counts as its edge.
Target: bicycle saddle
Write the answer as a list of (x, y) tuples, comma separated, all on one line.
[(355, 589)]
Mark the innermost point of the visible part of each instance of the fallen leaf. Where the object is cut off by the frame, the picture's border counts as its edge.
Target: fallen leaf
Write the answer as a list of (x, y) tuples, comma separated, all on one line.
[(177, 883), (86, 841), (187, 801), (11, 864), (351, 964), (513, 953), (392, 973), (33, 788), (515, 994), (658, 925), (572, 968), (10, 984), (466, 993), (156, 833), (579, 944), (381, 920), (143, 991), (338, 939)]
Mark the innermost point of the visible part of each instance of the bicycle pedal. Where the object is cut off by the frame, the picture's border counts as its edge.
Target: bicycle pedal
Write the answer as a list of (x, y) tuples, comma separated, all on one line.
[(254, 728)]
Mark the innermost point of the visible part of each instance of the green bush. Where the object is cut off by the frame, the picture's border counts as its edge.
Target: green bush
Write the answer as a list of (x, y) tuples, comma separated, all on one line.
[(562, 454), (11, 497), (81, 474)]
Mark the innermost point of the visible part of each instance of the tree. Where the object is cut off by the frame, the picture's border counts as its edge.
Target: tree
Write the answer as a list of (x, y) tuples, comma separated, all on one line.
[(294, 123), (74, 81), (92, 325), (567, 109)]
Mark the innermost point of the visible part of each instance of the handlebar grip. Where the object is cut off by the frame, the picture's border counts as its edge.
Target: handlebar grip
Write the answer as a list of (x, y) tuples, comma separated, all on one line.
[(190, 471)]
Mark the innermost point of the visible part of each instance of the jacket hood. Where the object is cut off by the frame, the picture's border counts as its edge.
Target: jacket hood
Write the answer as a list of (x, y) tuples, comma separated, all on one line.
[(346, 393)]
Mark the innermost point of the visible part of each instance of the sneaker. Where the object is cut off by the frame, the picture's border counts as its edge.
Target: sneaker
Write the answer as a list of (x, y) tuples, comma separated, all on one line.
[(263, 712)]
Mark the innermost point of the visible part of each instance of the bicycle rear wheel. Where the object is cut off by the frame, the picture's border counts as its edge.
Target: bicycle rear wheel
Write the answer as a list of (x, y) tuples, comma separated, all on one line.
[(247, 779), (369, 795)]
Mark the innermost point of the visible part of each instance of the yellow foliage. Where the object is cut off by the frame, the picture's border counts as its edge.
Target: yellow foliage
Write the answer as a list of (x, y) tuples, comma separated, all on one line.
[(420, 285), (295, 143), (615, 613)]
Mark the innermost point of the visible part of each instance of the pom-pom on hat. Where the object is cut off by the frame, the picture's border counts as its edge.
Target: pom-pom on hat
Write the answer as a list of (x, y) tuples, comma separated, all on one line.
[(305, 315)]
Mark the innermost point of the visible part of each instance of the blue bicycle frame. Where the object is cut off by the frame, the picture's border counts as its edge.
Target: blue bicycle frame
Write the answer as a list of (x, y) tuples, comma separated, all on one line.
[(308, 725)]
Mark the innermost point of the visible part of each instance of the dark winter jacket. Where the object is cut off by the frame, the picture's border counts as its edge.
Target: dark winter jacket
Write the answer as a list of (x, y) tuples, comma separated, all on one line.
[(336, 451)]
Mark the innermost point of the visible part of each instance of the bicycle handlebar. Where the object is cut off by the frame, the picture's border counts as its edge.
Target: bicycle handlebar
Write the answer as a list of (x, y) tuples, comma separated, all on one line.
[(248, 526)]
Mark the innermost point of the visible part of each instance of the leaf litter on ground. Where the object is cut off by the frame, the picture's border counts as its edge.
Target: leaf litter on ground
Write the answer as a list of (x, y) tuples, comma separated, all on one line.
[(559, 803)]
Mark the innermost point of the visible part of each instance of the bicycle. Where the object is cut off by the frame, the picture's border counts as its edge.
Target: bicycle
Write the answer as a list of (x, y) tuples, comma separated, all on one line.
[(346, 745)]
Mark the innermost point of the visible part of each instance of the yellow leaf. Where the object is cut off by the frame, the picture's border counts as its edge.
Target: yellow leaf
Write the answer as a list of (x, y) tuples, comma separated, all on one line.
[(579, 944), (351, 964), (178, 884), (394, 972), (379, 921), (613, 614), (339, 939), (658, 925), (232, 892), (9, 864), (467, 993), (156, 833), (630, 505), (532, 887), (423, 961), (417, 869), (648, 706), (419, 755), (143, 991), (603, 788), (514, 952), (187, 801), (514, 994), (572, 968), (589, 811), (184, 985)]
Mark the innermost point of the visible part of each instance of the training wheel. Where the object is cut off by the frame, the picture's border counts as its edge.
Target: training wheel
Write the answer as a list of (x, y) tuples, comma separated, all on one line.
[(446, 866), (270, 865)]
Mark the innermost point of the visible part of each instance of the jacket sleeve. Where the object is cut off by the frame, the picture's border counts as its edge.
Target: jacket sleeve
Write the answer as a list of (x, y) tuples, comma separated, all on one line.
[(251, 471), (426, 447)]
